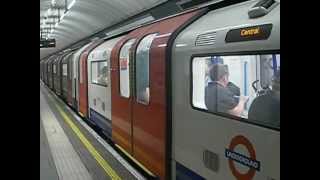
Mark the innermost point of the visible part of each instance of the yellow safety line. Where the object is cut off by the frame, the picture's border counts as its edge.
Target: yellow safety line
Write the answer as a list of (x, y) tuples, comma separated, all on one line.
[(106, 167)]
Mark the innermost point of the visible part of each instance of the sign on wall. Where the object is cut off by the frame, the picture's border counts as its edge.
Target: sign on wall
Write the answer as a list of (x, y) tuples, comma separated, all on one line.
[(47, 43)]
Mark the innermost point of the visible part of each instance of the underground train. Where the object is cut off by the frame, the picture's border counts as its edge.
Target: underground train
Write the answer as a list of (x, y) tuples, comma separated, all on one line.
[(191, 96)]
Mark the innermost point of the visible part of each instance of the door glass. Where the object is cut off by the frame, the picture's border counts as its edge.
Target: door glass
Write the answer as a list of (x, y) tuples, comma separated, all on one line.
[(124, 68), (142, 69)]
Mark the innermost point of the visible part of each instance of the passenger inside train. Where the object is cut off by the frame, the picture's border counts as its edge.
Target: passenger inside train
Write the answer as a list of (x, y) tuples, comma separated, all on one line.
[(218, 96), (266, 107), (242, 86)]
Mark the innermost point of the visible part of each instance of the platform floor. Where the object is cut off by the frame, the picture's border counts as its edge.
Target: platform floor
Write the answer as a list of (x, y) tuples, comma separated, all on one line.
[(72, 150)]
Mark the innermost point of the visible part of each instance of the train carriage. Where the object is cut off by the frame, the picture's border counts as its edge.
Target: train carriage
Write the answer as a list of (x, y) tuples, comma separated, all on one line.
[(191, 96), (211, 142)]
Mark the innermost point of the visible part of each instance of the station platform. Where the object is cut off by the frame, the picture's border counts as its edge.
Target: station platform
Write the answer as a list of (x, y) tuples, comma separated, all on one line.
[(71, 150)]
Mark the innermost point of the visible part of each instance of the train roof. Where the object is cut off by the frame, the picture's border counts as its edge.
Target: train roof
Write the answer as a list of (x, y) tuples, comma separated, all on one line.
[(102, 51), (80, 50), (209, 33)]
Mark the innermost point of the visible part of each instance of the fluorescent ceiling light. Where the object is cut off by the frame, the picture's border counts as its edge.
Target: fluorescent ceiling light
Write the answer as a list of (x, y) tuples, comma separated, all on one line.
[(53, 2), (71, 4), (62, 16)]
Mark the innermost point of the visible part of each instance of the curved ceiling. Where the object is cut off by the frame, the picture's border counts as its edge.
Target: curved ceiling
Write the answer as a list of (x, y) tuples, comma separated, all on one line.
[(84, 18)]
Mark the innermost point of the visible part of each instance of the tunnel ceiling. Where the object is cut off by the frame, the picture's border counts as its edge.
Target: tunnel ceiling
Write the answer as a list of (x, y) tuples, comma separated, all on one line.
[(83, 18)]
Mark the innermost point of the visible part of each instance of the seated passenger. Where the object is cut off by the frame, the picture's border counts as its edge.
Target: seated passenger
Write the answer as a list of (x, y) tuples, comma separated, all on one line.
[(266, 108), (234, 89), (218, 96)]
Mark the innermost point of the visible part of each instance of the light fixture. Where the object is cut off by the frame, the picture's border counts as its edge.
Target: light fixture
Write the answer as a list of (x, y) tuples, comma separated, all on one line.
[(53, 2), (62, 16), (49, 11), (71, 4)]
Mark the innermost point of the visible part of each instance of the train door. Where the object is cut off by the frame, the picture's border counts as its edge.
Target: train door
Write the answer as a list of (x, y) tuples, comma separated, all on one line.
[(41, 70), (139, 100), (69, 80), (51, 72), (121, 94), (83, 83), (59, 74), (56, 84), (83, 79), (46, 72), (75, 76), (64, 76), (149, 102)]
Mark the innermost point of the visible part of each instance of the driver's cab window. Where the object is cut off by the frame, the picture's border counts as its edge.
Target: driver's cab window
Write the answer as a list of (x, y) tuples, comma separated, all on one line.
[(54, 69), (246, 86)]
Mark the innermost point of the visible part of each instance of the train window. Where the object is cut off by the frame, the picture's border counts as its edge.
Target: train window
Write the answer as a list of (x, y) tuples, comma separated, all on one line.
[(70, 73), (80, 71), (54, 69), (64, 70), (99, 73), (246, 86), (142, 69), (124, 68)]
